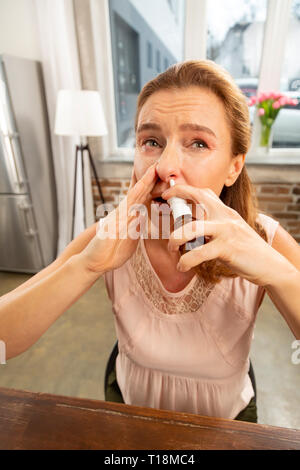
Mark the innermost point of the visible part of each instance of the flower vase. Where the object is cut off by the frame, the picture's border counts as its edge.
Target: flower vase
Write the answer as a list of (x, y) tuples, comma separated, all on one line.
[(266, 138)]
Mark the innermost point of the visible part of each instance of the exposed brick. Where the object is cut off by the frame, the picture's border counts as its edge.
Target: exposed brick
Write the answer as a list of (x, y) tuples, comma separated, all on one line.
[(296, 190), (275, 206), (111, 183), (293, 231), (275, 189), (263, 206), (115, 191), (294, 224), (284, 215), (293, 207), (106, 198), (276, 198), (268, 189), (283, 189)]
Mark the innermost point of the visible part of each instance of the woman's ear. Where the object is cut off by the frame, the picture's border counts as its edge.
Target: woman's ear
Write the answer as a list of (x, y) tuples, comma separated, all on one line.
[(235, 168)]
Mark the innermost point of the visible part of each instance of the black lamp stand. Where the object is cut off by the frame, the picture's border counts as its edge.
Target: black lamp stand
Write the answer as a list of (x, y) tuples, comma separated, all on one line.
[(79, 154)]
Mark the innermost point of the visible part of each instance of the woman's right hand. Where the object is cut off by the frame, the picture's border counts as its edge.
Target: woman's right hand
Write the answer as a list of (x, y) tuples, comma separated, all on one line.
[(112, 245)]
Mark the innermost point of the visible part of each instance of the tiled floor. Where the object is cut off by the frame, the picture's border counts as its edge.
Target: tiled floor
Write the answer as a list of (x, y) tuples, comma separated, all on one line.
[(71, 356)]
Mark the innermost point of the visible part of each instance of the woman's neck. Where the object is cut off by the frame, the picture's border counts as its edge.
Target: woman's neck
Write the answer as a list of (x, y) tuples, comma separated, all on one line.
[(164, 263)]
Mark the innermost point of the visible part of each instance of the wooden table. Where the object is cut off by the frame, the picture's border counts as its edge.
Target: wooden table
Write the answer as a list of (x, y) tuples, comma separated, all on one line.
[(42, 421)]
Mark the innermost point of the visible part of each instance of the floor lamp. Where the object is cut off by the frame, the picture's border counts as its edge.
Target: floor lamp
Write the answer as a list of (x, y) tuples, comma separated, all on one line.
[(80, 113)]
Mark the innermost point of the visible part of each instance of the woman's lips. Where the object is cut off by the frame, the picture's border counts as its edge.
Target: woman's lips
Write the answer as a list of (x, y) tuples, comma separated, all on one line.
[(159, 200)]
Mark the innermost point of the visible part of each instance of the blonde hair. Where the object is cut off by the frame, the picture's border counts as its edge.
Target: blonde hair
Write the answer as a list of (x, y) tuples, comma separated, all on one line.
[(240, 196)]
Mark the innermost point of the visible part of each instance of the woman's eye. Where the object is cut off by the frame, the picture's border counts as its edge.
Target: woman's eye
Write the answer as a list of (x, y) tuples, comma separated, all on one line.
[(199, 144), (149, 143)]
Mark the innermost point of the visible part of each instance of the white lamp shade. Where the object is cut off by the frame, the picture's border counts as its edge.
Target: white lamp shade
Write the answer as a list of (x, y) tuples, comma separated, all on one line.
[(80, 113)]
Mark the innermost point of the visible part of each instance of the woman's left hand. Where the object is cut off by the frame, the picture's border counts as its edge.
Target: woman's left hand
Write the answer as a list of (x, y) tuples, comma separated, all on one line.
[(231, 239)]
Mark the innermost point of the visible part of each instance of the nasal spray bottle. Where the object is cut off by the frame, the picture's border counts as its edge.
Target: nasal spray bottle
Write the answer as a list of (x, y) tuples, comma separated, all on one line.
[(182, 215)]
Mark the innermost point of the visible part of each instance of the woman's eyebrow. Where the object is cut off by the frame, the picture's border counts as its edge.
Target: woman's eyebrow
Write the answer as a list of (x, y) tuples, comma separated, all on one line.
[(148, 126), (196, 127), (152, 126)]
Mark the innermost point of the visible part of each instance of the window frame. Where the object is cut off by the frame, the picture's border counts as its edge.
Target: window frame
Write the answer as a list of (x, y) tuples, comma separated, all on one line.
[(275, 35)]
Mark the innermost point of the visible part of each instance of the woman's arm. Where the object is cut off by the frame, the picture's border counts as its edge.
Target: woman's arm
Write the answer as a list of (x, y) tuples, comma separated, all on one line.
[(30, 309), (284, 293), (73, 248), (284, 290), (233, 241), (27, 313), (19, 326)]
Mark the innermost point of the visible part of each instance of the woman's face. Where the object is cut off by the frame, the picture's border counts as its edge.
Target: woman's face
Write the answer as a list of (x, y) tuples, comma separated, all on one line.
[(186, 132)]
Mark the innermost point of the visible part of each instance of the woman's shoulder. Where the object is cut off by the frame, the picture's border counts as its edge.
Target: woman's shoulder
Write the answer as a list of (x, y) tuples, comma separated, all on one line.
[(269, 224)]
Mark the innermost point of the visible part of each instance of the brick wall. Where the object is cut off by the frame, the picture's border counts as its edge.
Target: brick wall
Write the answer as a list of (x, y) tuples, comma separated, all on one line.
[(281, 201), (112, 189)]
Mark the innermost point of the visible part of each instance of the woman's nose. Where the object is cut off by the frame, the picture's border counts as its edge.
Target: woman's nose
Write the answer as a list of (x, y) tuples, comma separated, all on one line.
[(168, 165)]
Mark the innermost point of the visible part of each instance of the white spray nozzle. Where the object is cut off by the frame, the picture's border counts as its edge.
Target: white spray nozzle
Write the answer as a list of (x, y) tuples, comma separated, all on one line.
[(178, 205)]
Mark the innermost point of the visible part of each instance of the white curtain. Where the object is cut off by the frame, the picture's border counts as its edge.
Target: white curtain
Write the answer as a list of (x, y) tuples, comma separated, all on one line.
[(61, 71)]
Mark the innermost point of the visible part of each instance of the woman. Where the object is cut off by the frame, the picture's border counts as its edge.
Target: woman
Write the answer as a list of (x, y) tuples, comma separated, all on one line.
[(184, 336)]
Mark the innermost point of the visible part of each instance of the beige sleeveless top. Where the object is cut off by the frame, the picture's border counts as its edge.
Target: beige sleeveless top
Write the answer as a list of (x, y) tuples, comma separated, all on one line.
[(185, 351)]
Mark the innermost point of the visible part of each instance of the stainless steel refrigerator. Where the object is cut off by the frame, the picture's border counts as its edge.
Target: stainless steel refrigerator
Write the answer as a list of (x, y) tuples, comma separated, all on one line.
[(28, 205)]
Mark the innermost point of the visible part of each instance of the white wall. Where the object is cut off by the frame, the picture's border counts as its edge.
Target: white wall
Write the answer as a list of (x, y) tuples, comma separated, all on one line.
[(18, 29)]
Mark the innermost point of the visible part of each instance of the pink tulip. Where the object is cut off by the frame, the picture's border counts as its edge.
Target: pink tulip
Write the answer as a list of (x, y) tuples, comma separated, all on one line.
[(261, 111), (295, 102), (269, 96), (252, 101), (283, 101), (276, 105), (262, 97)]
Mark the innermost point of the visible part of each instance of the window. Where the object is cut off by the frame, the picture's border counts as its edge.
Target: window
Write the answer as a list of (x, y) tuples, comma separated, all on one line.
[(138, 28), (174, 6), (235, 31), (158, 61), (286, 133), (149, 55), (257, 41)]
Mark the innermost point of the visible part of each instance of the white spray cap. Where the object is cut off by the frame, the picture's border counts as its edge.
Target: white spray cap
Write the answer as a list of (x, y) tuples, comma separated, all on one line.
[(178, 205)]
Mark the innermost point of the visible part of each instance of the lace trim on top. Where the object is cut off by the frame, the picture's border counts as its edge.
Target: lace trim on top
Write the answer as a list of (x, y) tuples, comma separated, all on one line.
[(190, 301)]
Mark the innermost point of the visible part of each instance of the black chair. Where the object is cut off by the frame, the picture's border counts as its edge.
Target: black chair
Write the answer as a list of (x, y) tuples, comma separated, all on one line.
[(113, 356), (252, 378), (110, 366)]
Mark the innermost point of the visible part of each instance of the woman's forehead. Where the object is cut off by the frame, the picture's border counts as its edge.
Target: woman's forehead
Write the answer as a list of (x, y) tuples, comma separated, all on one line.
[(178, 104)]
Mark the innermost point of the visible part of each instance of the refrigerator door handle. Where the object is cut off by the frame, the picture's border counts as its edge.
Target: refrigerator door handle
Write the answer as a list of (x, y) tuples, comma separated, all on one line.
[(16, 157), (29, 231), (12, 157)]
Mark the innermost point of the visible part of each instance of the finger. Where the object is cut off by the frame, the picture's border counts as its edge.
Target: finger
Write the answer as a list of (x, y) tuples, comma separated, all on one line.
[(194, 229), (143, 186), (198, 255), (133, 179), (203, 196)]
